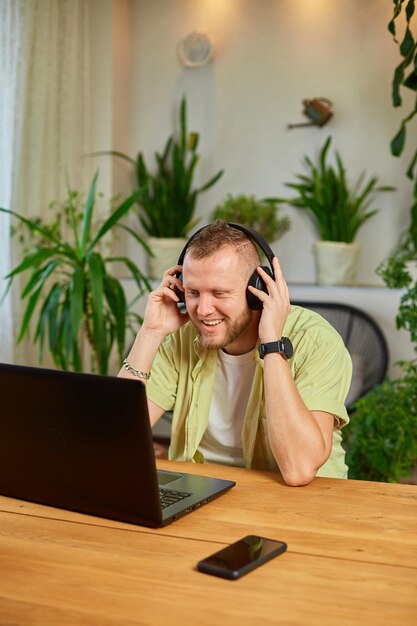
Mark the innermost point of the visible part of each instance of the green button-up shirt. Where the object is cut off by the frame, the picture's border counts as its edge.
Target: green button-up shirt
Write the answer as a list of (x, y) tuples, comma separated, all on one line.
[(183, 376)]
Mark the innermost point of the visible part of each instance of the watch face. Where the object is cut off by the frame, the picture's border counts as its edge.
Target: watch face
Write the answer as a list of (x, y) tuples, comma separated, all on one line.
[(288, 349)]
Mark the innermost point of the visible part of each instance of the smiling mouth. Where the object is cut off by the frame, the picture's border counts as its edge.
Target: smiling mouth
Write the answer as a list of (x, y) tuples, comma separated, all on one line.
[(211, 322)]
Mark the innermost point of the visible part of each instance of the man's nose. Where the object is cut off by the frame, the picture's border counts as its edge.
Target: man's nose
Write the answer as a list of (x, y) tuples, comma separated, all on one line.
[(205, 305)]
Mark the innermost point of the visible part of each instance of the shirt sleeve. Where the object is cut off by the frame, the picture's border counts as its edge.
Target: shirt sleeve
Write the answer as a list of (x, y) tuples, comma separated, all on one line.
[(322, 369), (161, 388)]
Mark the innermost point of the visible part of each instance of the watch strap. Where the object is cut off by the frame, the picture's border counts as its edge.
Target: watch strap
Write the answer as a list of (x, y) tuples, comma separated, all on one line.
[(282, 346)]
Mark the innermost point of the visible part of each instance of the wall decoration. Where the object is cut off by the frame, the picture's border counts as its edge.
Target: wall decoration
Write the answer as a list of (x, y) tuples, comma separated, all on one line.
[(318, 110)]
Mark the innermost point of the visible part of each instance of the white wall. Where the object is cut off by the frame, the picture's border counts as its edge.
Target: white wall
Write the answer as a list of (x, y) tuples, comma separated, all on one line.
[(269, 56)]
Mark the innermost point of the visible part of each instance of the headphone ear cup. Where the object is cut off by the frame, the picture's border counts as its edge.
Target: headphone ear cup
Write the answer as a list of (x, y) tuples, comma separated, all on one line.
[(256, 281), (179, 293)]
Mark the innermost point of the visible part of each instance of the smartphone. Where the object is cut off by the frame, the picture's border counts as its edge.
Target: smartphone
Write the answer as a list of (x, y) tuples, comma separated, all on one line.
[(241, 557)]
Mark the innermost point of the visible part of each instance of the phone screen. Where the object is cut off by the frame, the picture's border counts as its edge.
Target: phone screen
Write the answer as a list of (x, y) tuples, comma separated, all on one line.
[(241, 557)]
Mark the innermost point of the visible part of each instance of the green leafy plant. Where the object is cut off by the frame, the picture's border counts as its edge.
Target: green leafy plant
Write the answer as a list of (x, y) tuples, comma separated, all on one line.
[(337, 210), (167, 198), (408, 52), (70, 285), (260, 215), (381, 437), (407, 249), (396, 273), (382, 442)]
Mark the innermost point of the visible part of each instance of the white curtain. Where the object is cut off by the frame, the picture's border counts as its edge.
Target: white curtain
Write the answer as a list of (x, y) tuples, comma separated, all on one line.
[(9, 53), (44, 118)]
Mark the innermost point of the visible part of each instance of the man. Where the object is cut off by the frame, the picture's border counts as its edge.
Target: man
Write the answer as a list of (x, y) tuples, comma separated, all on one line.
[(229, 404)]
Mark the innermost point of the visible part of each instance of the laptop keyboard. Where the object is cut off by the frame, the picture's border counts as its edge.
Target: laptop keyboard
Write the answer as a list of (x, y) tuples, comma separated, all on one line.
[(168, 496)]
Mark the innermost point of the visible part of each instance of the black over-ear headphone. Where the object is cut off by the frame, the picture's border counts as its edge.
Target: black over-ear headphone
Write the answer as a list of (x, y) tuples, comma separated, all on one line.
[(255, 280)]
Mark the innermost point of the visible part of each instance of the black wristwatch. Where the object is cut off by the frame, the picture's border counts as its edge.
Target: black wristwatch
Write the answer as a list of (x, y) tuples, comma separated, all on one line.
[(283, 346)]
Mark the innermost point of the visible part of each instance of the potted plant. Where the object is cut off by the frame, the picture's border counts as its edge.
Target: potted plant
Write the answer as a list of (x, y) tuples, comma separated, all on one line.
[(70, 285), (259, 215), (381, 442), (167, 196), (338, 211), (381, 438)]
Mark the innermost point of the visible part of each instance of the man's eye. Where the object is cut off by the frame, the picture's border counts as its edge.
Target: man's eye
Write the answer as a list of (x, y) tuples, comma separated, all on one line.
[(220, 294), (191, 293)]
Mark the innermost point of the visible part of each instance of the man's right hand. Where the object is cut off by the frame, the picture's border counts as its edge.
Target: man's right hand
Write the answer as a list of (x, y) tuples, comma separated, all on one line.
[(162, 315)]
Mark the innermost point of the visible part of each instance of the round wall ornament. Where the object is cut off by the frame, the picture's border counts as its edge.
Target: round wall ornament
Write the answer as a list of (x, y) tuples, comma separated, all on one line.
[(195, 50)]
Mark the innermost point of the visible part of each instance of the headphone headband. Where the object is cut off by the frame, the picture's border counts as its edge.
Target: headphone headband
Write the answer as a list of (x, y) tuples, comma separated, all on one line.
[(254, 236), (255, 280)]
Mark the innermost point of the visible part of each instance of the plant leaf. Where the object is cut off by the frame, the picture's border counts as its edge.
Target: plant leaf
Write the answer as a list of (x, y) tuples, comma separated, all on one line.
[(113, 219), (211, 182), (116, 299), (24, 328), (398, 142), (34, 227), (411, 81), (115, 153), (183, 125), (34, 260), (409, 10), (39, 277), (140, 279), (87, 217), (407, 44), (397, 11), (76, 297), (136, 236), (43, 317), (96, 274), (413, 163)]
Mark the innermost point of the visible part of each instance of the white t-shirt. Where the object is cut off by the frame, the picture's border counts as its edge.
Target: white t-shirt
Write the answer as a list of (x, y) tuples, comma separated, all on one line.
[(222, 441)]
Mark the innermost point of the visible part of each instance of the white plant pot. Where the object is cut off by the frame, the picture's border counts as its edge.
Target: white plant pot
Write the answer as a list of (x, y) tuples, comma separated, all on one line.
[(337, 262), (166, 251)]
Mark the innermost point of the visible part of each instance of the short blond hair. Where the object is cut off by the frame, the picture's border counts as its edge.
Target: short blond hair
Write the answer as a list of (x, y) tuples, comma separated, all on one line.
[(219, 235)]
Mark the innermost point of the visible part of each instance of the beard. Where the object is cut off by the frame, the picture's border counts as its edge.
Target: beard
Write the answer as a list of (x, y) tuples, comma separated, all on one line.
[(233, 330)]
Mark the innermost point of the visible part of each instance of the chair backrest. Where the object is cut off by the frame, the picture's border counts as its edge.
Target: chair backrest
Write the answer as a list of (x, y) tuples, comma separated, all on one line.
[(364, 340)]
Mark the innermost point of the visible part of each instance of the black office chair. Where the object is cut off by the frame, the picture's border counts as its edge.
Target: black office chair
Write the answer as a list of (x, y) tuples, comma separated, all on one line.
[(364, 340)]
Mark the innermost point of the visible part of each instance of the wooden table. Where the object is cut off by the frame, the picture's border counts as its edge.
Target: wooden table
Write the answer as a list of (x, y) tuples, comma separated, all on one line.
[(351, 559)]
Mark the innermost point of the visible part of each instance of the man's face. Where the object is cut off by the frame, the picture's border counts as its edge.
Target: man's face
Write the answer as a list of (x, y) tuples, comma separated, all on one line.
[(215, 296)]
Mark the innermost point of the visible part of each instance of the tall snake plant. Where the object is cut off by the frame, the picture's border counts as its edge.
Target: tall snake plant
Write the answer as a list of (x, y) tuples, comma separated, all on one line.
[(167, 196)]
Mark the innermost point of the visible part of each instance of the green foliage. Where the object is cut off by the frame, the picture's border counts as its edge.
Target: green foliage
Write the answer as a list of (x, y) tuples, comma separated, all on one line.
[(260, 215), (70, 285), (324, 193), (403, 77), (167, 198), (396, 273), (381, 437), (382, 442)]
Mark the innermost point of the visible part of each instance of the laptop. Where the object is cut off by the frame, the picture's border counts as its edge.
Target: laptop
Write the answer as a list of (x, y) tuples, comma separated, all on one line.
[(83, 442)]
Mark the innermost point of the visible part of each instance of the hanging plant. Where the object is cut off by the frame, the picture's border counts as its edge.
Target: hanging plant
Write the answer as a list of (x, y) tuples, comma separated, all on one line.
[(403, 77)]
